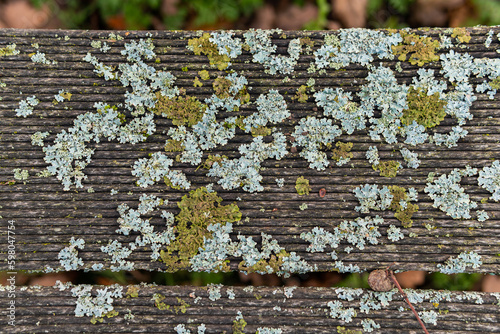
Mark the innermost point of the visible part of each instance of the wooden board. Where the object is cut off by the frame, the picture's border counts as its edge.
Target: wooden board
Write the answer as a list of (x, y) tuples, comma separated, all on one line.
[(46, 217), (304, 310)]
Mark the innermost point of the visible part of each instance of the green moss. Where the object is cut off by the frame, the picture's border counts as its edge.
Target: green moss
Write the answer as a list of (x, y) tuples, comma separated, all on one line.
[(174, 146), (302, 186), (202, 45), (387, 168), (403, 215), (301, 94), (261, 131), (462, 35), (343, 150), (421, 49), (239, 326), (181, 110), (199, 209), (426, 110), (9, 50)]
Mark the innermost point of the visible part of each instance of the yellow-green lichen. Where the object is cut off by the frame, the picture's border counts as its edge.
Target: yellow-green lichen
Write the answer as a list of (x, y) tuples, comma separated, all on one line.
[(181, 110), (495, 83), (158, 299), (343, 330), (302, 186), (9, 50), (222, 89), (261, 131), (403, 215), (238, 326), (211, 159), (343, 151), (110, 314), (387, 168), (462, 35), (173, 145), (421, 49), (132, 291), (199, 209), (426, 110), (204, 74), (263, 266), (197, 82), (202, 45), (301, 95)]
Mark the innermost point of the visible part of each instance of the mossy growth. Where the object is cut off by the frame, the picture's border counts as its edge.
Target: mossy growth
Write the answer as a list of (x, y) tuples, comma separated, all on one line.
[(420, 49), (343, 151), (222, 89), (302, 186), (387, 168), (263, 266), (132, 291), (173, 145), (261, 131), (461, 34), (402, 214), (426, 110), (238, 326), (202, 45), (301, 95), (182, 110), (199, 209)]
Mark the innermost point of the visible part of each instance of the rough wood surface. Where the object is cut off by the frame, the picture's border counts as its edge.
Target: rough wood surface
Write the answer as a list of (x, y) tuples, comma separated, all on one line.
[(300, 310), (46, 217)]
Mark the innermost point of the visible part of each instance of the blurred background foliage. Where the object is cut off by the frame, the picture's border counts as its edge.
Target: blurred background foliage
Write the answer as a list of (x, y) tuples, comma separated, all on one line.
[(244, 14), (285, 14)]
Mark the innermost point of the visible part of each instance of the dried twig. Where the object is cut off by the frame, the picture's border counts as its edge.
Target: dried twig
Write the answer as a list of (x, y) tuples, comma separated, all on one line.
[(393, 279)]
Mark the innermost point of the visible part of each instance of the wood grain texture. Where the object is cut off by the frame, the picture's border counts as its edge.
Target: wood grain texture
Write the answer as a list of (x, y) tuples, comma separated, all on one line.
[(303, 310), (46, 217)]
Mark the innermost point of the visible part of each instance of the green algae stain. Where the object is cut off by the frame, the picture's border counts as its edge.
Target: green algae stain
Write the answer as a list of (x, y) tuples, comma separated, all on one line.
[(199, 209), (426, 110)]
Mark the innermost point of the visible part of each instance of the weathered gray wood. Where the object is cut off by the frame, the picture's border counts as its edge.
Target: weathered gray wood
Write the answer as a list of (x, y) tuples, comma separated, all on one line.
[(42, 203), (303, 310)]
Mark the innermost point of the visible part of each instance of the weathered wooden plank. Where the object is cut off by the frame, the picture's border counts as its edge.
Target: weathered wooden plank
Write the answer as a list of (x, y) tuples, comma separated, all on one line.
[(275, 211), (291, 309)]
